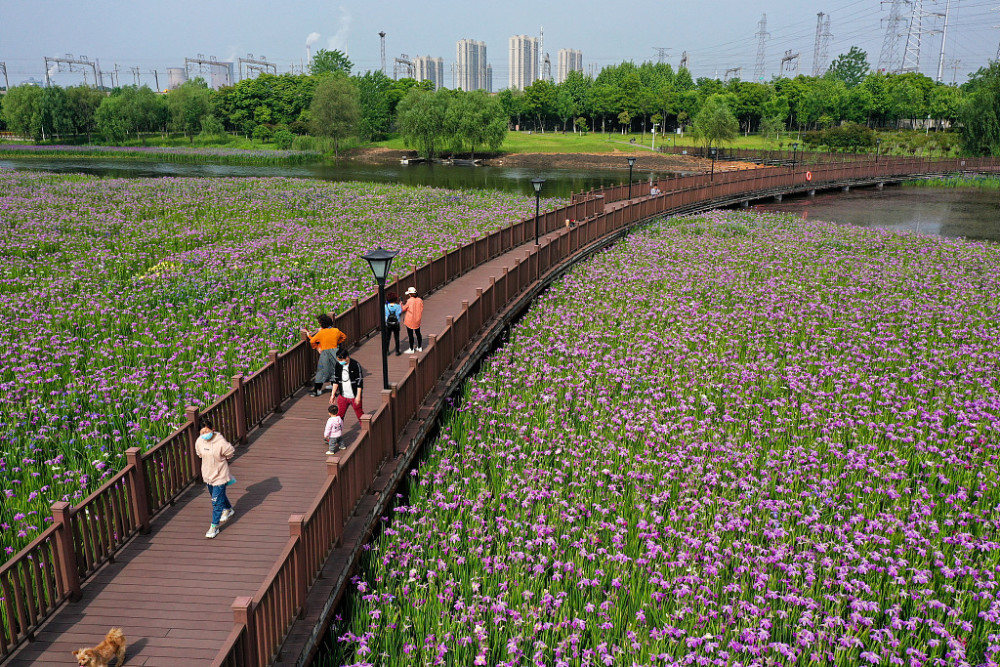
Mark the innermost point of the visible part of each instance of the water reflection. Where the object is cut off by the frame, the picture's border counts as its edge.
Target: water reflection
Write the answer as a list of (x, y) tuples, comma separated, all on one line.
[(558, 183), (949, 212)]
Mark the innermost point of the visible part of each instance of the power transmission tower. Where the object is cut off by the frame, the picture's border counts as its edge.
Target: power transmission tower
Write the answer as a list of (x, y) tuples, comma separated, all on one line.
[(71, 64), (6, 81), (732, 70), (259, 65), (911, 56), (661, 54), (762, 36), (821, 50), (156, 78), (888, 58), (954, 65), (405, 65), (944, 39), (790, 63), (201, 62), (381, 36), (135, 75), (684, 60)]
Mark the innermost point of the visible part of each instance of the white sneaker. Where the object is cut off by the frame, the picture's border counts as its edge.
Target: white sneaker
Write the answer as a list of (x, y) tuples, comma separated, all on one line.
[(420, 349), (330, 452), (212, 532), (226, 515), (410, 351)]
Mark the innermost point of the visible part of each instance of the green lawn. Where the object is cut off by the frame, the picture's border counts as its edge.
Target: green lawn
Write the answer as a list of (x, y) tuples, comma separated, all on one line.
[(893, 143), (557, 142)]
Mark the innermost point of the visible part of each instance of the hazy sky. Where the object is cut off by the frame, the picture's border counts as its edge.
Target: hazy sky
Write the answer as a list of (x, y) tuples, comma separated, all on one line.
[(717, 34)]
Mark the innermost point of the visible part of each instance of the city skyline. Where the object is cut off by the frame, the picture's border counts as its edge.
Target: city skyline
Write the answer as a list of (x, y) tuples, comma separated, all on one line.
[(150, 37)]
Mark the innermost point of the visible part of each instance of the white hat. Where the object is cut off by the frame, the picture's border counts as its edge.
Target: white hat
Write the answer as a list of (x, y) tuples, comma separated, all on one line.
[(411, 290)]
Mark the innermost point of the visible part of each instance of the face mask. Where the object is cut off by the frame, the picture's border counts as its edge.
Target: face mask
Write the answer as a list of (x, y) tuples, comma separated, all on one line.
[(206, 436)]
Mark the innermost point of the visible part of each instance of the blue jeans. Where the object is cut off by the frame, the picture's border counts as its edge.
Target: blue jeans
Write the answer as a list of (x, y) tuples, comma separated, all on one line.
[(220, 501)]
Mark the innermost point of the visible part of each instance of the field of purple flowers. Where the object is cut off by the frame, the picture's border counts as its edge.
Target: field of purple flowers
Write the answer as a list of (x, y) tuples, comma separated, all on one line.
[(124, 300), (737, 439)]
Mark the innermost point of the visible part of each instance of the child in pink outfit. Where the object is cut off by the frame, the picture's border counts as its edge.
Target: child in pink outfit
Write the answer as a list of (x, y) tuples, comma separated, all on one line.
[(334, 431)]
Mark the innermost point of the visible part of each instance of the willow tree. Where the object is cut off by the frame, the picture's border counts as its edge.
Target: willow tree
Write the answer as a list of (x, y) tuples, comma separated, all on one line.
[(980, 112), (715, 122), (334, 111)]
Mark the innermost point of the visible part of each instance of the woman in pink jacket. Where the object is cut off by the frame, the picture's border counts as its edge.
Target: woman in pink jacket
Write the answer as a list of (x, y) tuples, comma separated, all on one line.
[(413, 309), (215, 452)]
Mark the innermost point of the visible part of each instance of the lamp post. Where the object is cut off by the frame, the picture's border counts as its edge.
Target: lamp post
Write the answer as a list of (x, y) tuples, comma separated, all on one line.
[(795, 148), (537, 183), (878, 145), (655, 126), (379, 260), (713, 151), (631, 163)]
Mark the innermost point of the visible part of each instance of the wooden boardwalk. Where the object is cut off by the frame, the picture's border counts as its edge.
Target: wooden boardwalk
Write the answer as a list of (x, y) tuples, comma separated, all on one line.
[(171, 590)]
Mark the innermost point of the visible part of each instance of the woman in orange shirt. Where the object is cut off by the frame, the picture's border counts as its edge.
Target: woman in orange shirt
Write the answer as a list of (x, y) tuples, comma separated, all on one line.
[(327, 340), (413, 309)]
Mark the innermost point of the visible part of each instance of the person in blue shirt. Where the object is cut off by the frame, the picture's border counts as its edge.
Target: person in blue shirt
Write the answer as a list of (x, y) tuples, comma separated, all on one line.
[(393, 314)]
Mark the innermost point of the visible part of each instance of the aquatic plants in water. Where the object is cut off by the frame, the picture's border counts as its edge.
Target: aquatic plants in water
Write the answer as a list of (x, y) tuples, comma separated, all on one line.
[(735, 439)]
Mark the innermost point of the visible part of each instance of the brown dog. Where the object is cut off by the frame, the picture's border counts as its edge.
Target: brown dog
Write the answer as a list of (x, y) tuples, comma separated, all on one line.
[(99, 656)]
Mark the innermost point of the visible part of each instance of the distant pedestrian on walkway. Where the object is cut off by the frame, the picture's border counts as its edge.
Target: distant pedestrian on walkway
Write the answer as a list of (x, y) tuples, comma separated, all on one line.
[(327, 340), (414, 309), (348, 385), (334, 431), (215, 452), (393, 315)]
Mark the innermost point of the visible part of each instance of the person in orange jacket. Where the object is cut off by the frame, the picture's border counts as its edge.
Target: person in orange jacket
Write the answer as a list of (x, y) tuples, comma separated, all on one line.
[(413, 310)]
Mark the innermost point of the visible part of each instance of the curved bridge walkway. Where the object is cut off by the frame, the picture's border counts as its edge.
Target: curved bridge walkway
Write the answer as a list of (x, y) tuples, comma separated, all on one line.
[(173, 591)]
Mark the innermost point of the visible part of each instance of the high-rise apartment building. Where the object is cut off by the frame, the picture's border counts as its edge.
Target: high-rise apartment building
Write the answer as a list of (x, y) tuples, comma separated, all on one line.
[(523, 62), (470, 66), (430, 69), (570, 60)]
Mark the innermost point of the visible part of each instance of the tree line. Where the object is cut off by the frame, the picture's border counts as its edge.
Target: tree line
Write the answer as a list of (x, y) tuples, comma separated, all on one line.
[(331, 102)]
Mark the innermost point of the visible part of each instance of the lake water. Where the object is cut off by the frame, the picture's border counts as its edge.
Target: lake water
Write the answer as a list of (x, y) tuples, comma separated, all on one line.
[(970, 213), (558, 183), (966, 213)]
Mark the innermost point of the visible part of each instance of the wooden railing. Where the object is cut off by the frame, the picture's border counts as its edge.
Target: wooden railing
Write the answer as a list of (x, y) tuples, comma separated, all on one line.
[(712, 186), (253, 640), (50, 570)]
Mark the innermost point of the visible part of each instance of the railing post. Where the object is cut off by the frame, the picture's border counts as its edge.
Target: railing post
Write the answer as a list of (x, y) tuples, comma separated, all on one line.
[(391, 416), (296, 524), (241, 410), (65, 549), (450, 324), (139, 489), (371, 462), (493, 298), (243, 611), (356, 322), (194, 429), (467, 334), (506, 286), (482, 313), (276, 380)]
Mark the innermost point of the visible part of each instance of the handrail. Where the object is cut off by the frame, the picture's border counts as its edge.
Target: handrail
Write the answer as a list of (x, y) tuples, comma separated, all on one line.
[(76, 546), (376, 443)]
